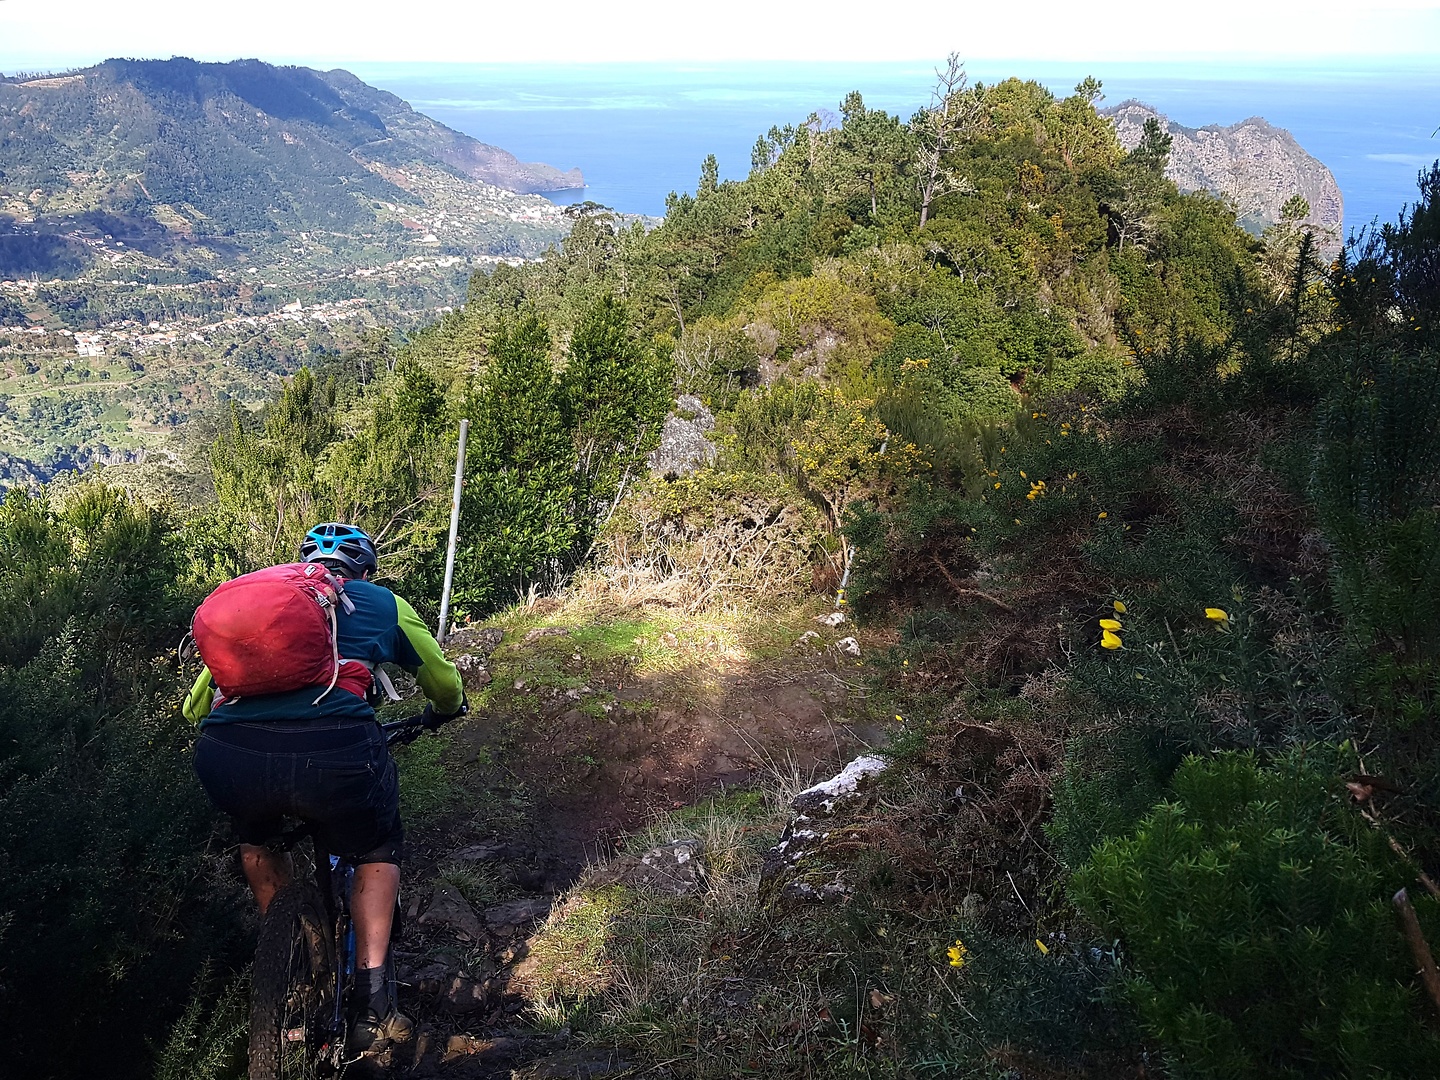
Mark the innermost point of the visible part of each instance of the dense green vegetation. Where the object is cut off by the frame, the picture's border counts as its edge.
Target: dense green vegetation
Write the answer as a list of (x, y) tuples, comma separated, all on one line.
[(1144, 507)]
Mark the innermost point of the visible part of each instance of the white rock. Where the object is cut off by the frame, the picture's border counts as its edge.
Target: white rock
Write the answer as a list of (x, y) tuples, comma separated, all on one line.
[(847, 782), (849, 646), (835, 618)]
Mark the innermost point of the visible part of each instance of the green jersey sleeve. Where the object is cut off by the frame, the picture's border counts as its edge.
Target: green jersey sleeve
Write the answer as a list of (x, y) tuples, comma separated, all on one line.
[(438, 677), (200, 698)]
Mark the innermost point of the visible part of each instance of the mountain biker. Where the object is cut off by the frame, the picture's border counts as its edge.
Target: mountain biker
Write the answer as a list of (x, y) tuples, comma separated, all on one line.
[(325, 761)]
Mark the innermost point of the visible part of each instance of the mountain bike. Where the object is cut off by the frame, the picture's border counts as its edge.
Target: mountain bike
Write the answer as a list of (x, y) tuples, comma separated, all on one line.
[(305, 960)]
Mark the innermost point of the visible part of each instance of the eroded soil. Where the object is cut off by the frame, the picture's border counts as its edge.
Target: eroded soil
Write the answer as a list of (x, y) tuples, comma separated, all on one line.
[(576, 738)]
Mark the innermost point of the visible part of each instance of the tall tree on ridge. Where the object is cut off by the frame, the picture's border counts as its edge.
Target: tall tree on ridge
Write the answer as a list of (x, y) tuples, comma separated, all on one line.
[(940, 129)]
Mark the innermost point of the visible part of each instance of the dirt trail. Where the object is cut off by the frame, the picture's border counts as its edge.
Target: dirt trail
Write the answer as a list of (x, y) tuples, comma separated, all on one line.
[(556, 773)]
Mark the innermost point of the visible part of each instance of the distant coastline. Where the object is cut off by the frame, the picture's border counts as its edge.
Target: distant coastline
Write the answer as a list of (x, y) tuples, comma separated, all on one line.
[(640, 131)]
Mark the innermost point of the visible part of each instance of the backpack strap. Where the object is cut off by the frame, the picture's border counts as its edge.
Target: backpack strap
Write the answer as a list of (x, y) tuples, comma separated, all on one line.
[(338, 584), (334, 646), (378, 676), (386, 685)]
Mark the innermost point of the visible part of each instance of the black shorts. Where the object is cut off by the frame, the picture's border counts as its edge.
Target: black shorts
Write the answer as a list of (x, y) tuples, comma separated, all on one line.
[(336, 776)]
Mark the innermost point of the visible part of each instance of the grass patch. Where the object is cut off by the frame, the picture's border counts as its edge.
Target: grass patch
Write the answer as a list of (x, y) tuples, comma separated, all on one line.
[(569, 956), (481, 884), (427, 790)]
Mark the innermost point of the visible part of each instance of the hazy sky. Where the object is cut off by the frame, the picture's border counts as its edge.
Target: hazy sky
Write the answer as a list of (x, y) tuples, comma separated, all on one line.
[(39, 34)]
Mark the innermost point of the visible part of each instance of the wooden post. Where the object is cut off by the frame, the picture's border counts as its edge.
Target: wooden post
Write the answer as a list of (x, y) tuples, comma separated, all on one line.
[(1419, 947)]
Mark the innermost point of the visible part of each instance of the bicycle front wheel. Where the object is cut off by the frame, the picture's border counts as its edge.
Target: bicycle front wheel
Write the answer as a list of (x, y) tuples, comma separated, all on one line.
[(292, 987)]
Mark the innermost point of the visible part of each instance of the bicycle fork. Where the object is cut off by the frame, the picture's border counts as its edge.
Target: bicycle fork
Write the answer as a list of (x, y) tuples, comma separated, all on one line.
[(336, 879)]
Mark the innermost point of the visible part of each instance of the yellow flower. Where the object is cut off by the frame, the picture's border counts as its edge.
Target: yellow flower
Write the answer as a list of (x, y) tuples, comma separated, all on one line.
[(1102, 515), (997, 485), (958, 953), (1017, 521), (899, 718), (1215, 614), (1041, 946), (1110, 640), (1119, 608), (1109, 624), (1023, 476)]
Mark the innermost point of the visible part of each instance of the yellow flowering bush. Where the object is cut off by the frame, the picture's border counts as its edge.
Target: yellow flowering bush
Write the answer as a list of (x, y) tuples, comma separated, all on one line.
[(959, 955)]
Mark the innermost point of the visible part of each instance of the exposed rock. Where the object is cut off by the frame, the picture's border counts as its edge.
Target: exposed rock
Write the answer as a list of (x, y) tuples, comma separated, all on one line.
[(429, 981), (480, 640), (544, 632), (473, 670), (800, 869), (506, 918), (685, 439), (406, 685), (484, 852), (674, 869), (465, 995), (451, 910), (807, 637), (848, 646), (835, 618), (841, 792), (1253, 162)]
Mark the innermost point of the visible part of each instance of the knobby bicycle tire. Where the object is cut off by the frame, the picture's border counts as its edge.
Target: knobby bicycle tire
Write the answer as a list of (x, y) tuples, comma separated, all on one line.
[(292, 986)]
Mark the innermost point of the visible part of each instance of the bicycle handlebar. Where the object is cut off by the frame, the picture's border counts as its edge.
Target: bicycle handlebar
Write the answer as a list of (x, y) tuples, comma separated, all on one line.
[(401, 732), (408, 730)]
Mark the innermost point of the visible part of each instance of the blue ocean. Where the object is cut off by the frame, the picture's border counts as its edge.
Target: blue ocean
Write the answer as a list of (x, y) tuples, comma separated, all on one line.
[(640, 131)]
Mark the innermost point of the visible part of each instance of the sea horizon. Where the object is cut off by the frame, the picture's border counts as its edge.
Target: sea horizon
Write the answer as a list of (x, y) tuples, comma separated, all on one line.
[(639, 131)]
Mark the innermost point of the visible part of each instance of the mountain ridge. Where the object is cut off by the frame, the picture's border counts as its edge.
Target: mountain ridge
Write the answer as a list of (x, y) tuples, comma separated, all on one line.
[(208, 162), (319, 97)]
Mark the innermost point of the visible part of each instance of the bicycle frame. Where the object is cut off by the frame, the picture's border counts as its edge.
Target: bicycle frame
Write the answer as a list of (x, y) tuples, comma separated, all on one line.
[(335, 878)]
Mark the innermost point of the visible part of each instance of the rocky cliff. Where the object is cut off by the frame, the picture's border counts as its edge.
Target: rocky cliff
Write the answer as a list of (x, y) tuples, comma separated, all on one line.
[(1254, 163)]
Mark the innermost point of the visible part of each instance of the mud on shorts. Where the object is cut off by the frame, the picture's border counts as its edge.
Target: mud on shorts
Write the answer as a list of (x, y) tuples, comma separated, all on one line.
[(337, 776)]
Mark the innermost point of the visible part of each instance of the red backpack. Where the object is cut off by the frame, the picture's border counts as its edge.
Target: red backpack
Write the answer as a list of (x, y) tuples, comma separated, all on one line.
[(272, 631)]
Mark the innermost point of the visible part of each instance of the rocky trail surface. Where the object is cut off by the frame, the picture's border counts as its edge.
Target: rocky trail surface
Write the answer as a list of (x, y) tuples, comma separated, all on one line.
[(577, 739)]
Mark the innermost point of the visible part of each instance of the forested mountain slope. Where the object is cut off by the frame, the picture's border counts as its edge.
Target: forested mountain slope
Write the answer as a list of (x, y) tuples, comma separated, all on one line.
[(1136, 519), (222, 158), (176, 233)]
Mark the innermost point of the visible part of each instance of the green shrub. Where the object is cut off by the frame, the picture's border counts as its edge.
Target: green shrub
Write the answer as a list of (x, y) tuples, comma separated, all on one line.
[(209, 1040), (1376, 485), (107, 901), (1255, 910)]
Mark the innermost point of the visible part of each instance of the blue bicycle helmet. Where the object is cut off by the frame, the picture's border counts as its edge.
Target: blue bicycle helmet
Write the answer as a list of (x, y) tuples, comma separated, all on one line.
[(342, 547)]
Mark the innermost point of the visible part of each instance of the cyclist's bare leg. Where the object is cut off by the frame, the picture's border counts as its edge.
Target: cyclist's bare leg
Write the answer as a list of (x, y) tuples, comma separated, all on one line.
[(266, 871), (372, 904)]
